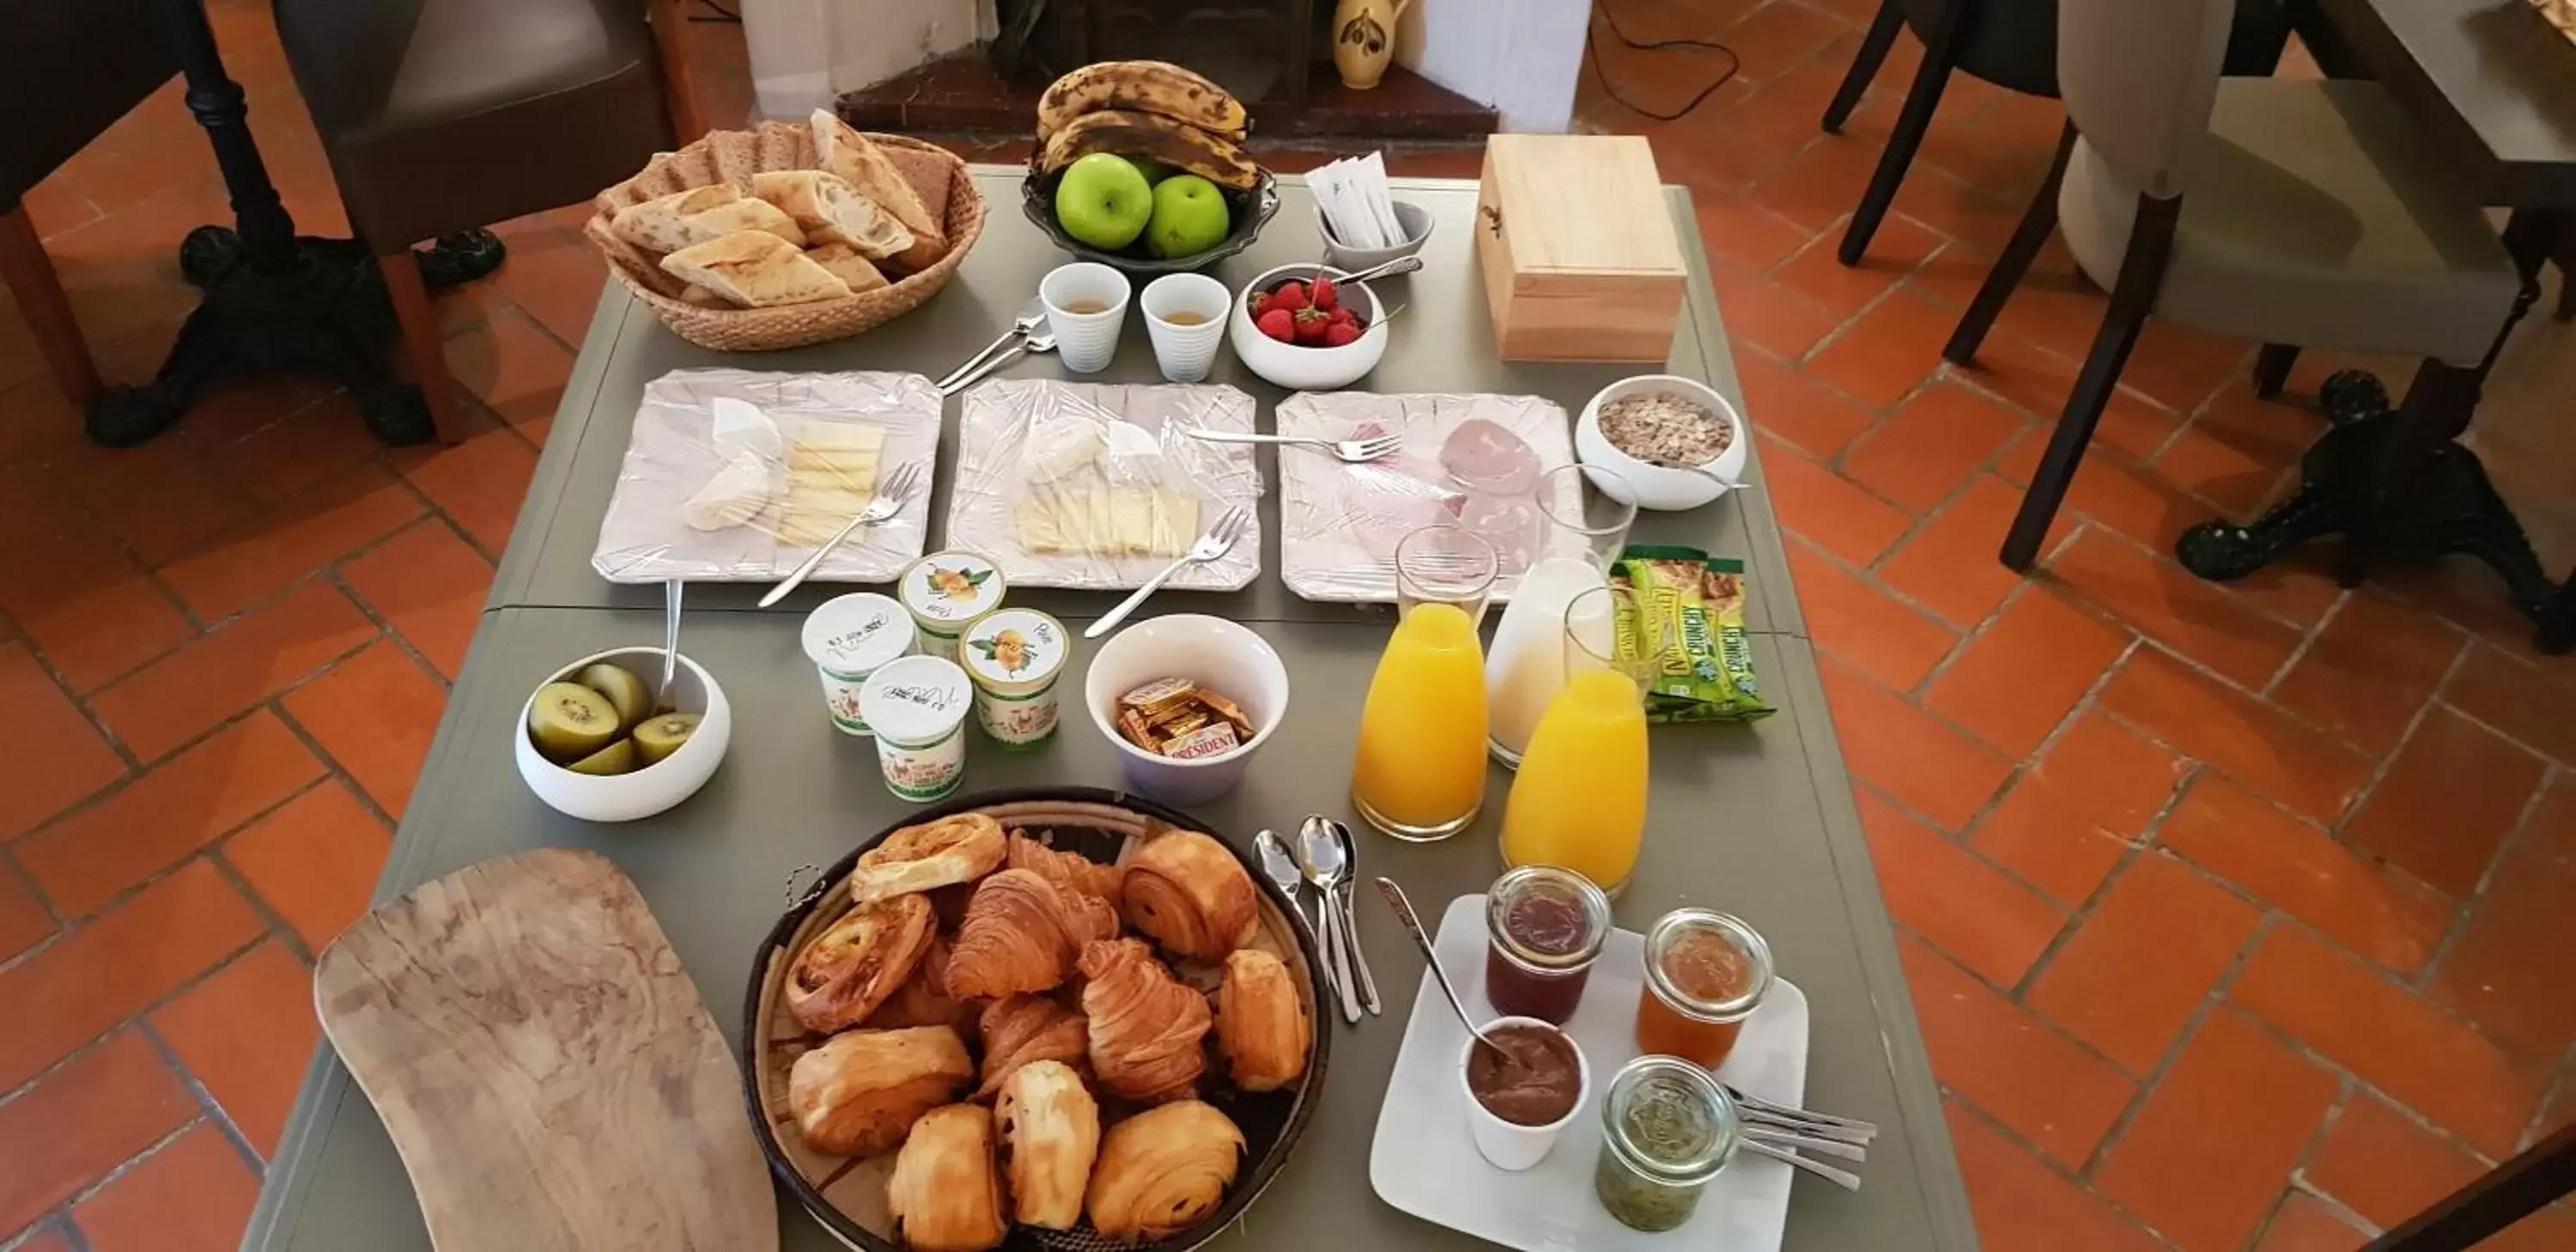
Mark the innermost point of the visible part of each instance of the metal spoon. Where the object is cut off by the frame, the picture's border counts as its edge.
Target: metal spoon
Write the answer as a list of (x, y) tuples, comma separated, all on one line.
[(1328, 866), (1040, 343), (670, 646), (1328, 912), (1413, 925), (1282, 870), (1840, 1178), (1346, 865)]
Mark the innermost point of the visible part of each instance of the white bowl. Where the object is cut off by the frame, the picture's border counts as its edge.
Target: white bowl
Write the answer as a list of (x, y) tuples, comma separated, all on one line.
[(647, 791), (1210, 651), (1659, 486), (1301, 368), (1509, 1145)]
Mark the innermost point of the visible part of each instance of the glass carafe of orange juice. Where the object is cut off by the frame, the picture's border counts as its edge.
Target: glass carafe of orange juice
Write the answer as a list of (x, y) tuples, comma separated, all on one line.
[(1580, 794), (1420, 770)]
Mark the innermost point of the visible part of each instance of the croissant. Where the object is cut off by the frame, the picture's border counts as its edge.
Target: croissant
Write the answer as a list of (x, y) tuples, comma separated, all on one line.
[(1261, 1022), (1065, 869), (1190, 893), (917, 858), (1050, 1132), (858, 961), (1163, 1171), (944, 1194), (1026, 1029), (1021, 934), (1144, 1026), (923, 999), (855, 1094)]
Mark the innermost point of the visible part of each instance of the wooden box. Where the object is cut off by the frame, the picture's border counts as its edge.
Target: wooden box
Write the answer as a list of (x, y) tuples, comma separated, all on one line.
[(1577, 246)]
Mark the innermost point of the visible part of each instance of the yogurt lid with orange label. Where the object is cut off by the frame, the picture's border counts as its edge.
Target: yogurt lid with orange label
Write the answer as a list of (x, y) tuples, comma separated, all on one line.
[(946, 590), (1014, 651)]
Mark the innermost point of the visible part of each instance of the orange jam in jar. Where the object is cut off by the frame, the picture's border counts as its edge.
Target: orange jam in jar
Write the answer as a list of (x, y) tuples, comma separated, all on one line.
[(1705, 973)]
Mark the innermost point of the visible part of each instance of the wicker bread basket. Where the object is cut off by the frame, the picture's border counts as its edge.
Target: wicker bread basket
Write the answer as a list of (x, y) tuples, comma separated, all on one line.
[(937, 174), (2559, 13), (847, 1195)]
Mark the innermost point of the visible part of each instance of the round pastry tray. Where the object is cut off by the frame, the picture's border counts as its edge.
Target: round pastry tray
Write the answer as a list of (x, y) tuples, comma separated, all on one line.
[(1100, 824)]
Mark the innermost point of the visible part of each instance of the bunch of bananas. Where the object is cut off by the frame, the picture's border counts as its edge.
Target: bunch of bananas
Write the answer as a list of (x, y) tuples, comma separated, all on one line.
[(1146, 109)]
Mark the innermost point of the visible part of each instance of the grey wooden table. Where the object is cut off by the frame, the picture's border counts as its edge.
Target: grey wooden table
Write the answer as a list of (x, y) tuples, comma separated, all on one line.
[(1757, 819)]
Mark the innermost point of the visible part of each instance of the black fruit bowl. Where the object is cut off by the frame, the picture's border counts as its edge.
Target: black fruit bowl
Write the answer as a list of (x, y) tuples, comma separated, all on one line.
[(1251, 210)]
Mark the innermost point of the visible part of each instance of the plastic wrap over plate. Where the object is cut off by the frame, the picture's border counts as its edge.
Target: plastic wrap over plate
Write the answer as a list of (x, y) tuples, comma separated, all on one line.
[(1339, 523), (760, 500), (1096, 486)]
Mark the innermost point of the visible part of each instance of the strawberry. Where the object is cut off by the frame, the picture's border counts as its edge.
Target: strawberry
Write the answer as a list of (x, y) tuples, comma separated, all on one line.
[(1290, 295), (1260, 305), (1342, 316), (1311, 325), (1324, 295), (1336, 334), (1279, 324)]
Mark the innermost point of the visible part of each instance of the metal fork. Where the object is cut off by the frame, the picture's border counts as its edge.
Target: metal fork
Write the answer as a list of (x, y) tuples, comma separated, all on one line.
[(1844, 1179), (1348, 451), (1023, 326), (1218, 541), (895, 492), (1041, 342), (1847, 1128)]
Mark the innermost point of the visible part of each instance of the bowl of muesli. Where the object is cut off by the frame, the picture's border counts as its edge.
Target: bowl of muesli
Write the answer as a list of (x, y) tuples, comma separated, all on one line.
[(1670, 442)]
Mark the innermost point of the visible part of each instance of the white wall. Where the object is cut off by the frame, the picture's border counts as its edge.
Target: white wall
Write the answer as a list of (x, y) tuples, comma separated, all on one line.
[(805, 52), (1519, 56)]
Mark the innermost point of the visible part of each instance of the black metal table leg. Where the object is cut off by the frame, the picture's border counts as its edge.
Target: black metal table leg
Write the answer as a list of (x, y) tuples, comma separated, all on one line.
[(2397, 485), (273, 299)]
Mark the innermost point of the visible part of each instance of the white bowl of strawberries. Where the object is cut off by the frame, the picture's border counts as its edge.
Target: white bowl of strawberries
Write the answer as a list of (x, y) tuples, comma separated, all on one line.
[(1301, 328)]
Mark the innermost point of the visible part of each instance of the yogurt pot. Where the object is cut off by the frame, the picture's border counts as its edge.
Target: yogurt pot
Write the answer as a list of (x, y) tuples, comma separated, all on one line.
[(1014, 656), (943, 592), (848, 638), (917, 707)]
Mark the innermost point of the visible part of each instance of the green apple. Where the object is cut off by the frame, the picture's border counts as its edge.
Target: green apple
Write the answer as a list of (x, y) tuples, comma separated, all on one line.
[(1154, 171), (1190, 217), (1103, 201)]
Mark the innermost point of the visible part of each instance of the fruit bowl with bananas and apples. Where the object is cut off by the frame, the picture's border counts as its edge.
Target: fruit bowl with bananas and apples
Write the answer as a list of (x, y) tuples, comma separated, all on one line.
[(1139, 165)]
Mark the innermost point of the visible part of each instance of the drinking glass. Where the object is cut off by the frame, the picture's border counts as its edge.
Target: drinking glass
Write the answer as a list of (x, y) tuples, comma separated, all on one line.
[(1445, 564), (1609, 628), (1582, 520)]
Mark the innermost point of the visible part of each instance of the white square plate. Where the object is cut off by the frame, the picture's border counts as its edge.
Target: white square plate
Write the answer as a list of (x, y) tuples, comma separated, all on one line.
[(1424, 1163)]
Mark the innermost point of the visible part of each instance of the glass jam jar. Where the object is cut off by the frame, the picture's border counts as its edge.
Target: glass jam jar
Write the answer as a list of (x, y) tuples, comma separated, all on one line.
[(1705, 973), (1667, 1128), (1544, 927)]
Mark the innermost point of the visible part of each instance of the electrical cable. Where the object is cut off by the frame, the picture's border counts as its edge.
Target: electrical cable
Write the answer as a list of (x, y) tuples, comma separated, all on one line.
[(1591, 53)]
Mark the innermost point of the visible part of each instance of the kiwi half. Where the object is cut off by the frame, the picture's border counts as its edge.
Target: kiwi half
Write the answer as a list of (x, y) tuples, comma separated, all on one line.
[(616, 758), (623, 689), (661, 736), (569, 721)]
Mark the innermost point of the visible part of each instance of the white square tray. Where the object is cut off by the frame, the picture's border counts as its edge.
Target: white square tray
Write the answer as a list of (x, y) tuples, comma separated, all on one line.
[(1423, 1162)]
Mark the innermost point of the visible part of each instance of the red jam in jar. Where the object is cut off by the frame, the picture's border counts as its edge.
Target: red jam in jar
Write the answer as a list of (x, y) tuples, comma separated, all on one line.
[(1705, 973), (1544, 927)]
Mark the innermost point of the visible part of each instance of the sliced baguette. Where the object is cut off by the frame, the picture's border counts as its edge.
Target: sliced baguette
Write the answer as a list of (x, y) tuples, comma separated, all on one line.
[(743, 214), (754, 269), (849, 265), (856, 160), (832, 211), (661, 223)]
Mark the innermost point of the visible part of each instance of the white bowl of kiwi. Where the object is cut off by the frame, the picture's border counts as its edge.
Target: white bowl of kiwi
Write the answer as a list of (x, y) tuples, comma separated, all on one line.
[(591, 746)]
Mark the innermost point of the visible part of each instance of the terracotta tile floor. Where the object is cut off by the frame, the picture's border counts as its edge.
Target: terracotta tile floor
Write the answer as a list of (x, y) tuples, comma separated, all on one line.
[(2236, 917)]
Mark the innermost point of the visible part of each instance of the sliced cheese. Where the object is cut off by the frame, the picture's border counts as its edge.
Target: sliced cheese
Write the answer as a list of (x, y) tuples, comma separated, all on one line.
[(1176, 523), (1132, 518), (842, 436), (861, 479), (1039, 531)]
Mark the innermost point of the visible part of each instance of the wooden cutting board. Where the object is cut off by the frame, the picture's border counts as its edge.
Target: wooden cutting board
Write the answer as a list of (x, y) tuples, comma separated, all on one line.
[(545, 1066)]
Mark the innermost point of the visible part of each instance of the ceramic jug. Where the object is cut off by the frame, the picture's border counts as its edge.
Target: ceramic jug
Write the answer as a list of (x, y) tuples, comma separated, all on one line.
[(1364, 39)]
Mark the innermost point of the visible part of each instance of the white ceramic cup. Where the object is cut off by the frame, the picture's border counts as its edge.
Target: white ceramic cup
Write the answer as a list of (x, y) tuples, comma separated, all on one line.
[(1085, 341), (1226, 657), (1510, 1145), (1185, 353)]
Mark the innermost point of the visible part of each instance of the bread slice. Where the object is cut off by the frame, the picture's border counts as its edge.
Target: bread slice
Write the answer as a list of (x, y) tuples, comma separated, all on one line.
[(851, 156), (849, 265), (661, 223), (832, 211), (743, 214), (754, 269)]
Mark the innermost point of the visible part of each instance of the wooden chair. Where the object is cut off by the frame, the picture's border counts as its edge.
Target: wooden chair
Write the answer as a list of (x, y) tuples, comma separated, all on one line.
[(67, 73), (2284, 212), (443, 116), (2010, 43)]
